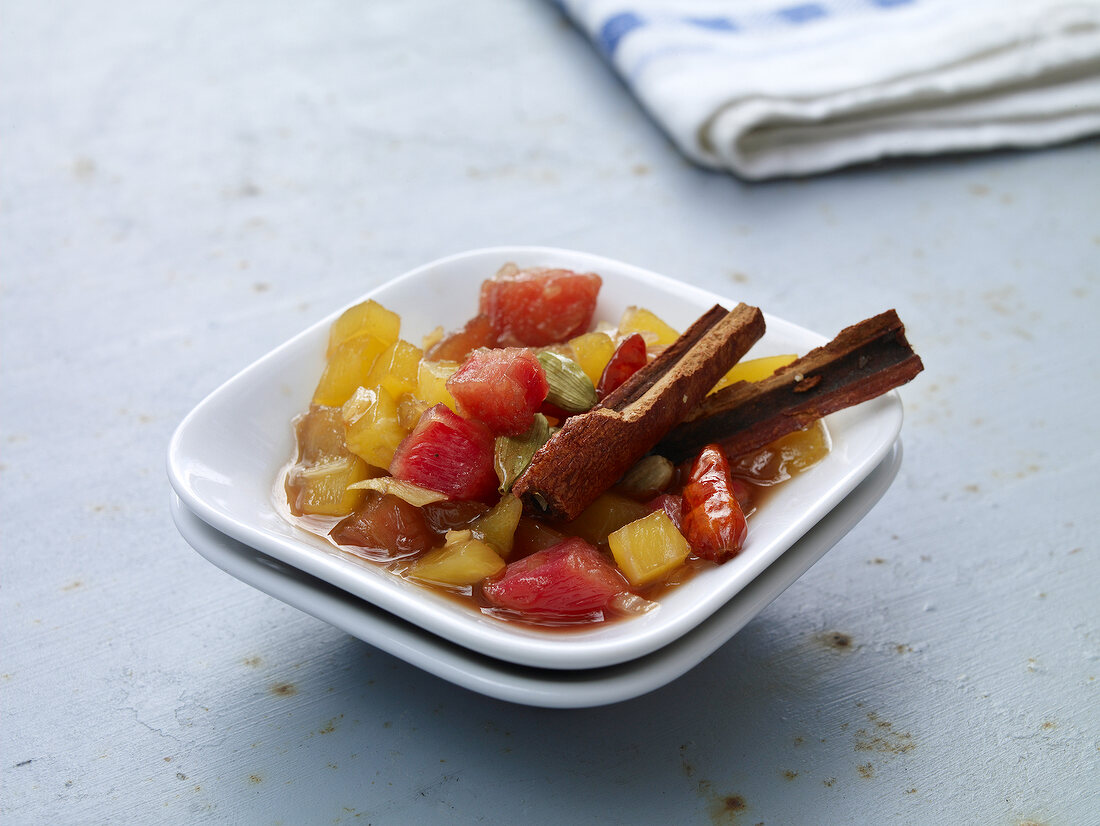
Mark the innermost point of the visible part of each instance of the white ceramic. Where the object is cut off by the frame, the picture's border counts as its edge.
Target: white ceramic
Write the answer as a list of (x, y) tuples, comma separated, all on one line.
[(224, 457), (550, 688)]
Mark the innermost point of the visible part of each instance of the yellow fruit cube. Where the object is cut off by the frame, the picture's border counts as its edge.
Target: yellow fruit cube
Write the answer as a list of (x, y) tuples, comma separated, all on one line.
[(320, 435), (498, 526), (409, 410), (780, 460), (753, 370), (608, 513), (648, 549), (372, 429), (318, 481), (323, 489), (653, 330), (347, 369), (396, 369), (371, 318), (464, 560), (592, 351), (431, 382)]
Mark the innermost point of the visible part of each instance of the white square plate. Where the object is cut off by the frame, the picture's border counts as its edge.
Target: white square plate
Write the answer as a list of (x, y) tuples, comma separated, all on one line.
[(224, 458)]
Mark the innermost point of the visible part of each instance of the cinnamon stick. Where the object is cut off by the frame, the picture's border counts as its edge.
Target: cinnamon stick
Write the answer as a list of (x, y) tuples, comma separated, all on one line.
[(593, 450), (864, 361)]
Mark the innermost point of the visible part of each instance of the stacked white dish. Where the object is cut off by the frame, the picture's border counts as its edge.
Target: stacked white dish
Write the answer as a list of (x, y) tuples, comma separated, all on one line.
[(225, 457)]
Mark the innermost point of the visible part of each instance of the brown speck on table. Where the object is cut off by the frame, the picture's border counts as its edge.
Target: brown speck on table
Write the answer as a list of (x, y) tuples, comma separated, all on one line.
[(829, 781), (284, 689), (724, 808), (84, 169), (253, 662), (884, 740), (866, 771), (790, 775), (255, 778), (689, 770), (836, 640)]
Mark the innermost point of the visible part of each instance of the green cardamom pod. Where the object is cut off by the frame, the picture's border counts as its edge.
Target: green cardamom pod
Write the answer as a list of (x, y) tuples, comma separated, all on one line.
[(512, 454), (570, 387), (649, 476)]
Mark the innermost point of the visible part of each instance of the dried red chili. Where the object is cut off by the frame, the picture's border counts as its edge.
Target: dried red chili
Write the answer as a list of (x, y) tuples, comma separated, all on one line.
[(713, 522)]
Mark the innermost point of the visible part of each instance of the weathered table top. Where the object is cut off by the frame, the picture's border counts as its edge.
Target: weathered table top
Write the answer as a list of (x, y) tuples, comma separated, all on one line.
[(186, 185)]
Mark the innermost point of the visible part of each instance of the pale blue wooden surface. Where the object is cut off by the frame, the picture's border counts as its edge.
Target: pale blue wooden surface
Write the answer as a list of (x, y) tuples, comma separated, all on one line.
[(184, 186)]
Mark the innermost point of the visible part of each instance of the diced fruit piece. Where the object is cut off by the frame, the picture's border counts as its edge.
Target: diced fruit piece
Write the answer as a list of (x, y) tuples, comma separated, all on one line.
[(753, 370), (532, 535), (592, 351), (498, 526), (317, 483), (452, 514), (464, 560), (608, 513), (347, 369), (673, 506), (447, 453), (320, 435), (388, 526), (539, 306), (787, 455), (570, 579), (396, 369), (478, 332), (323, 489), (409, 410), (368, 317), (629, 358), (502, 389), (372, 429), (713, 522), (431, 382), (655, 332), (648, 549)]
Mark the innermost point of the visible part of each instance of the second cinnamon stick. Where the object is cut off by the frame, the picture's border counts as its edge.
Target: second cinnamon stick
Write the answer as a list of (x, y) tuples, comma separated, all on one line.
[(864, 361)]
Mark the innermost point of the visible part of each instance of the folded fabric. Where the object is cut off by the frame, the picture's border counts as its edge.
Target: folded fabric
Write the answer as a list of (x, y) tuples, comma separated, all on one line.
[(780, 88)]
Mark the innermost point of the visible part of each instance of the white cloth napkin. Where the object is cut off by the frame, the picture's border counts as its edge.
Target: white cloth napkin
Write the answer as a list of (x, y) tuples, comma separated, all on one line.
[(771, 88)]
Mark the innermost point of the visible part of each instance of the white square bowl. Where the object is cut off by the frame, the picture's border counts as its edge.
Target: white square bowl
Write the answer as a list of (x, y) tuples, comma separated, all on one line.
[(226, 455)]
